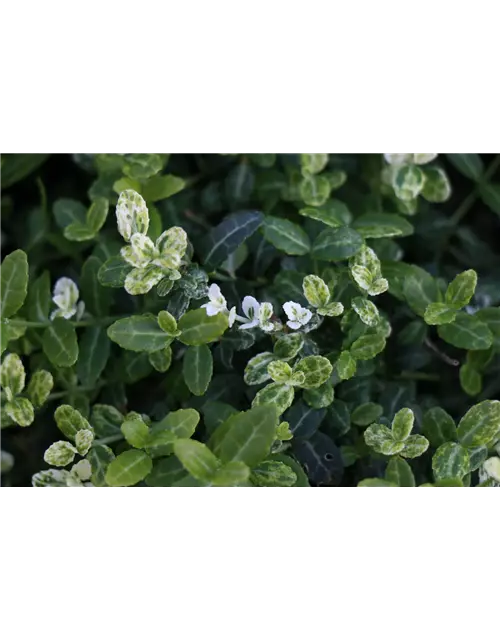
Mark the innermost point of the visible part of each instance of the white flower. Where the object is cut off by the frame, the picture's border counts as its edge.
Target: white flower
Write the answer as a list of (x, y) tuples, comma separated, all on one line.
[(251, 309), (65, 296), (217, 302), (298, 316), (231, 317)]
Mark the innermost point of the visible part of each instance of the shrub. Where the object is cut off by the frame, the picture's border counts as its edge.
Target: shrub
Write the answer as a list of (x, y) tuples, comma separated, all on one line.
[(250, 320)]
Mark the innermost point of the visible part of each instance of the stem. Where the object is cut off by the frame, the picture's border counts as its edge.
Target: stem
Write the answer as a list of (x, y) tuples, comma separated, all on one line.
[(95, 322), (443, 356), (109, 439), (466, 205), (418, 375), (62, 394)]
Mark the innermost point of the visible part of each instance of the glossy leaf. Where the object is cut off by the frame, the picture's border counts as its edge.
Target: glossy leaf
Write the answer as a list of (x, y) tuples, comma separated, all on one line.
[(94, 353), (334, 245), (246, 437), (197, 367), (197, 328), (286, 236), (139, 333), (480, 425), (451, 460), (128, 468), (466, 332), (60, 343), (14, 283), (224, 239)]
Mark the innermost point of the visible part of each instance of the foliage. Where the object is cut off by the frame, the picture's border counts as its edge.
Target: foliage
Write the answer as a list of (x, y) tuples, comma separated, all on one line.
[(250, 320)]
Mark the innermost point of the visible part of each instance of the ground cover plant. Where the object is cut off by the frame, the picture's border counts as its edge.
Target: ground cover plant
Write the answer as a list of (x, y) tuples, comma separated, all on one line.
[(250, 320)]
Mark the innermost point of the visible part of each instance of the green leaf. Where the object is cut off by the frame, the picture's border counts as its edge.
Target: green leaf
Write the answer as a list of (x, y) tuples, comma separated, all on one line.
[(286, 347), (469, 164), (114, 272), (420, 290), (451, 460), (39, 298), (13, 375), (490, 195), (135, 431), (168, 323), (477, 455), (128, 468), (224, 239), (21, 411), (94, 353), (414, 446), (77, 232), (239, 184), (399, 473), (379, 438), (471, 380), (256, 370), (197, 367), (466, 332), (233, 474), (97, 299), (176, 424), (277, 394), (197, 328), (319, 397), (60, 454), (461, 289), (316, 370), (83, 441), (39, 387), (346, 365), (161, 187), (14, 283), (366, 414), (312, 163), (280, 371), (286, 236), (336, 244), (60, 343), (67, 212), (139, 333), (376, 482), (70, 421), (196, 458), (382, 225), (97, 214), (402, 424), (106, 420), (315, 190), (367, 347), (439, 313), (333, 213), (438, 426), (246, 437), (99, 457), (316, 291), (16, 166), (480, 425), (161, 360), (366, 310), (272, 473), (166, 472)]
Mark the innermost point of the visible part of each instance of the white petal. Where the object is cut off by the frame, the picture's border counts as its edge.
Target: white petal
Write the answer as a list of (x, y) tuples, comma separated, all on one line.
[(291, 309), (214, 292), (267, 326), (65, 293), (232, 317), (250, 307), (211, 309), (293, 324), (305, 316), (250, 325)]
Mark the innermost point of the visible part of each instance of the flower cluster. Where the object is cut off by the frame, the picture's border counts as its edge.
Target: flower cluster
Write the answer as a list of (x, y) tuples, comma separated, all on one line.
[(256, 314), (152, 261), (65, 296)]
